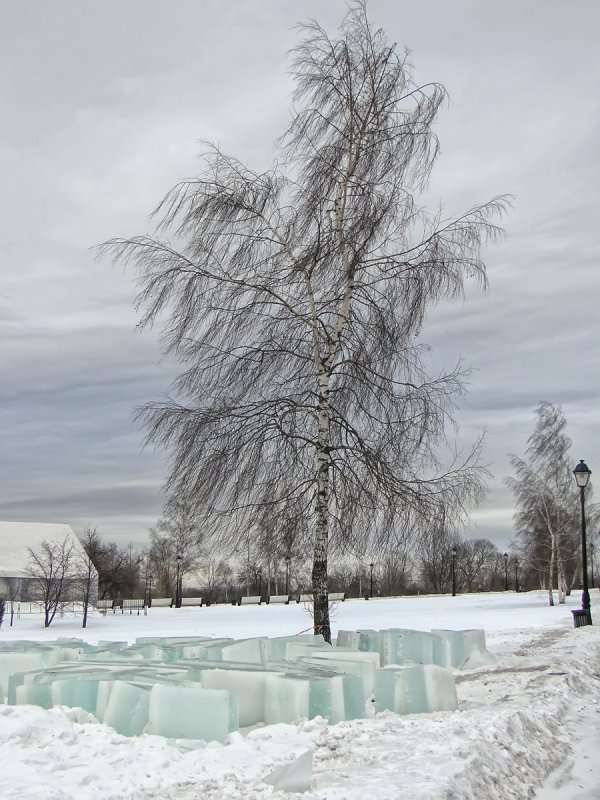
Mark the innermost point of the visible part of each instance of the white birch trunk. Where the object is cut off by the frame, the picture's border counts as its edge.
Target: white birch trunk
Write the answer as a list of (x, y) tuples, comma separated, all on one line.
[(551, 569), (562, 581)]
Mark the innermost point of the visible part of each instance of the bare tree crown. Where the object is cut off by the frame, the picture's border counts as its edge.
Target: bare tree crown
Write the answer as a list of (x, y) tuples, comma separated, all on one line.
[(293, 298)]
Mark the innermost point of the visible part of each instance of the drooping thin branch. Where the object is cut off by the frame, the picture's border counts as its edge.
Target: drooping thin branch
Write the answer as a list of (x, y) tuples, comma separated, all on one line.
[(294, 300)]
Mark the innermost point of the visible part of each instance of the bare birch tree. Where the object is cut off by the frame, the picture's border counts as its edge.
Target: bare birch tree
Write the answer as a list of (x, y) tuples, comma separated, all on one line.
[(545, 494), (177, 533), (295, 297)]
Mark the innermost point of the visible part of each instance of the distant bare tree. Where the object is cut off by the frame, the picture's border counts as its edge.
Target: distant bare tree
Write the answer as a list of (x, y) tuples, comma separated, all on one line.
[(295, 301), (91, 544), (53, 574), (115, 565), (215, 575), (12, 588), (395, 571), (548, 513), (177, 533), (433, 554), (475, 564), (546, 519)]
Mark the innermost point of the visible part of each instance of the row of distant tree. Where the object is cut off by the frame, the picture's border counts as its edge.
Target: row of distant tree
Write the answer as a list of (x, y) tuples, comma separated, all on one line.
[(546, 553)]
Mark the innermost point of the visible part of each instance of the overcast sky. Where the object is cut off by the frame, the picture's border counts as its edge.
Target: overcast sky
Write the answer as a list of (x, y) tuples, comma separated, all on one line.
[(103, 106)]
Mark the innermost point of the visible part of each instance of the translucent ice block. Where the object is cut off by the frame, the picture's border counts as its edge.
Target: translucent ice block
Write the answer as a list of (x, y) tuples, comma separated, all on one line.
[(20, 661), (401, 645), (77, 693), (326, 699), (186, 712), (295, 776), (467, 648), (248, 688), (34, 694), (313, 691), (124, 706), (286, 698), (365, 640), (348, 662), (277, 648), (415, 689), (250, 651)]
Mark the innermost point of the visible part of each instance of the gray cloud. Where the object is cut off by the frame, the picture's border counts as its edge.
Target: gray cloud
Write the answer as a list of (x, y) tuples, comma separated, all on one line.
[(104, 106)]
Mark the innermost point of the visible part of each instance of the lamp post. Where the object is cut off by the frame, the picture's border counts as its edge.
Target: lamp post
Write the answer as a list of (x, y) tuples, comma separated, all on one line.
[(582, 475), (516, 574), (178, 582), (287, 575), (260, 581), (506, 572), (371, 565), (454, 572)]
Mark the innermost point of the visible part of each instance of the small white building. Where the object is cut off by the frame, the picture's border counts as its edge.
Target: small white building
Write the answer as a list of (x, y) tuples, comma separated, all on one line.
[(16, 538)]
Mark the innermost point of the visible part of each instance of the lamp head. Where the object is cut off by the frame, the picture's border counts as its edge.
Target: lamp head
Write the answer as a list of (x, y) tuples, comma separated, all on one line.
[(582, 474)]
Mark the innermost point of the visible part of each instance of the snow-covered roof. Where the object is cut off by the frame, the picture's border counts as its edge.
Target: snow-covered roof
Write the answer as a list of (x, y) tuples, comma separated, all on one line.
[(17, 537)]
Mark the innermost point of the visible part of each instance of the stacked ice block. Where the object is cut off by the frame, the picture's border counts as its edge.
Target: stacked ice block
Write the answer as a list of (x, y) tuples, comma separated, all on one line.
[(201, 688)]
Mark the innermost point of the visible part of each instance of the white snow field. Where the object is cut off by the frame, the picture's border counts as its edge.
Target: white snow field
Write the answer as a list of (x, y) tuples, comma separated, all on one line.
[(527, 726)]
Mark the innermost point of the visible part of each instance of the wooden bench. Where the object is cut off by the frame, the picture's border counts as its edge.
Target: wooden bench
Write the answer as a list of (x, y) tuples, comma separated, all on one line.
[(279, 598), (191, 601), (134, 604), (333, 597), (161, 602), (104, 605), (255, 600)]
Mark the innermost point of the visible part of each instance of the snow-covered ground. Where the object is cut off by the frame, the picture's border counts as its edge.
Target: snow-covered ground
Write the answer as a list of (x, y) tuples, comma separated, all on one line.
[(531, 719)]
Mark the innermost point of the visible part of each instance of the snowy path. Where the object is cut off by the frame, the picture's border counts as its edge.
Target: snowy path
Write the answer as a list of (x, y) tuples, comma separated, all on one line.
[(578, 777)]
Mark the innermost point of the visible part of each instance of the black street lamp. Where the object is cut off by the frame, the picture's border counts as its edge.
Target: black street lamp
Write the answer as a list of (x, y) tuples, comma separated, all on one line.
[(516, 574), (454, 572), (287, 575), (506, 572), (582, 475), (178, 582), (371, 565)]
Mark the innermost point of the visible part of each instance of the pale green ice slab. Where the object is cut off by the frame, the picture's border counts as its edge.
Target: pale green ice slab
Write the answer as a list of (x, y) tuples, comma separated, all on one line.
[(248, 688), (363, 665), (415, 689), (34, 694), (278, 647), (20, 661), (287, 698), (250, 651), (467, 648), (124, 706), (202, 682), (182, 712)]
